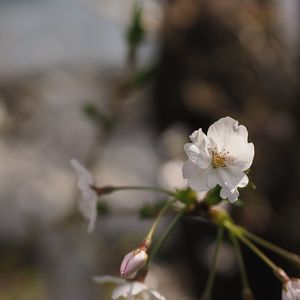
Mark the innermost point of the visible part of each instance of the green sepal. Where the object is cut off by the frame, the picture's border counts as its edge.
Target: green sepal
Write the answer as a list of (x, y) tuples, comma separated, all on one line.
[(247, 171), (186, 196), (239, 203), (252, 185), (213, 196)]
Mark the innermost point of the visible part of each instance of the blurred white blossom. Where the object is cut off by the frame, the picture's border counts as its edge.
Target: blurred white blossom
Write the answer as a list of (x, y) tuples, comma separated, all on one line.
[(219, 158), (88, 203), (130, 290), (291, 290), (133, 262)]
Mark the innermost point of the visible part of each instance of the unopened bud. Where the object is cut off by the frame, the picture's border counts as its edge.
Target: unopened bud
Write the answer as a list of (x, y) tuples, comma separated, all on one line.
[(282, 275), (133, 262)]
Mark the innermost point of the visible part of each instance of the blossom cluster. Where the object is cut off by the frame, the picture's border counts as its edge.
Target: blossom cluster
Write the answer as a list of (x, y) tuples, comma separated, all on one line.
[(220, 158)]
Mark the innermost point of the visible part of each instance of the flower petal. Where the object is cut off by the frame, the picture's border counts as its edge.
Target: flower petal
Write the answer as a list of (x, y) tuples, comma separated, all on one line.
[(241, 152), (295, 284), (88, 207), (291, 290), (221, 131), (88, 204), (231, 195), (129, 289), (133, 262), (214, 178), (227, 135), (85, 178), (199, 138), (197, 151), (244, 182), (198, 155), (195, 176), (229, 179), (156, 295), (242, 132)]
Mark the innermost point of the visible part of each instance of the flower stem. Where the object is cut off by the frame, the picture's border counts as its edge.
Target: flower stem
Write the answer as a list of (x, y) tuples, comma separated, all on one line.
[(148, 239), (143, 188), (277, 270), (238, 231), (289, 255), (208, 290), (247, 292), (165, 235)]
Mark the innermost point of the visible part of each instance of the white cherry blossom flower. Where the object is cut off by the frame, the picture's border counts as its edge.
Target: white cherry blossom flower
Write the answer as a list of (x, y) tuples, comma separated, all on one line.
[(131, 290), (88, 203), (219, 158), (133, 262), (291, 290)]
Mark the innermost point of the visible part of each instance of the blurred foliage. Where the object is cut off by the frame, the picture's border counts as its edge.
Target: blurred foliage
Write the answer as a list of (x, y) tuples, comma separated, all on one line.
[(149, 211), (103, 208), (94, 114), (135, 33), (217, 58), (26, 285), (19, 274), (143, 76)]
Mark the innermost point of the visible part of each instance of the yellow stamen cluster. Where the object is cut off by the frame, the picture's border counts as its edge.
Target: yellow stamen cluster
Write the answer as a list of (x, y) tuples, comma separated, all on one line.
[(220, 159)]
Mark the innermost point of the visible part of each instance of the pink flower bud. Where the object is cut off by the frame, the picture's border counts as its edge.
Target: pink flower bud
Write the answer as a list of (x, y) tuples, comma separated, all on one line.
[(133, 262)]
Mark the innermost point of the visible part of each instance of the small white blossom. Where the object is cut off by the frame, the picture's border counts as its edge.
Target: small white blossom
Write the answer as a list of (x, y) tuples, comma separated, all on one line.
[(88, 203), (219, 158), (131, 290), (133, 262), (291, 290)]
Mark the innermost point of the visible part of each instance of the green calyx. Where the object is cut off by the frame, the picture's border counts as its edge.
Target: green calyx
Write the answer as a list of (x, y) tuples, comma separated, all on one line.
[(186, 196), (213, 196)]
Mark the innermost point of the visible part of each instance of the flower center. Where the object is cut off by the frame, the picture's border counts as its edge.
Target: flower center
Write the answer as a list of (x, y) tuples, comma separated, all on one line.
[(220, 159)]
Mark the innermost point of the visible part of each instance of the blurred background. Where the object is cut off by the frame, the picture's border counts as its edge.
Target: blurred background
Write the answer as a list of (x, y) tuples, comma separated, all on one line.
[(120, 85)]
